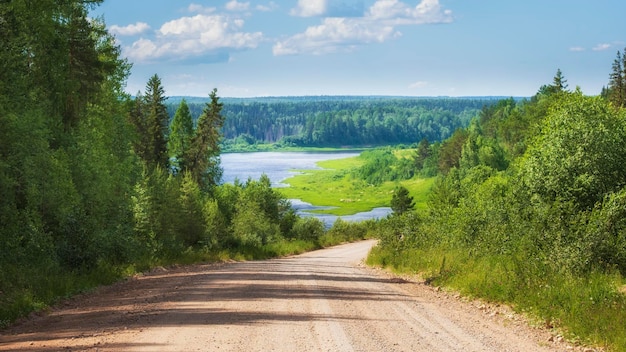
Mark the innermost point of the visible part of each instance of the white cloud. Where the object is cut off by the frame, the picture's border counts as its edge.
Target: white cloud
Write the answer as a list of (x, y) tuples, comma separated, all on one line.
[(131, 29), (344, 34), (399, 13), (328, 8), (197, 36), (234, 5), (142, 49), (602, 47), (309, 8), (334, 35), (577, 49)]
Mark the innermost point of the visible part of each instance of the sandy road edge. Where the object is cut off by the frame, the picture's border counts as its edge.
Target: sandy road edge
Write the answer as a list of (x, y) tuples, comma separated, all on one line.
[(499, 313)]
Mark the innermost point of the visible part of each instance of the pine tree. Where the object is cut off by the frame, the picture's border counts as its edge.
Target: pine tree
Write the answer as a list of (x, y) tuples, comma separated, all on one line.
[(180, 136), (202, 158)]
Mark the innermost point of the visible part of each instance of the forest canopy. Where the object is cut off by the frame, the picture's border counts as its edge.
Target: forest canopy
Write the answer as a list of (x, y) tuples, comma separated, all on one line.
[(341, 121)]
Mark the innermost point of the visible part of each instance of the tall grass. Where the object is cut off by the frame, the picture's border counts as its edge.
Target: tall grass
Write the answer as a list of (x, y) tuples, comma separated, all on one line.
[(588, 309)]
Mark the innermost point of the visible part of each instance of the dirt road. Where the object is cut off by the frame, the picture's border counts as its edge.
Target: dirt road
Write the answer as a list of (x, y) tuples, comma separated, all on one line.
[(321, 301)]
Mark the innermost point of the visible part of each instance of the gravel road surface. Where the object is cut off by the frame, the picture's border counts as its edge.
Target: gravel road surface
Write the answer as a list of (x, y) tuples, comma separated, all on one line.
[(325, 300)]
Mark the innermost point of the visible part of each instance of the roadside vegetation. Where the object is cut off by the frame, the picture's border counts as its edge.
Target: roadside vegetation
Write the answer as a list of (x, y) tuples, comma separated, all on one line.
[(525, 204), (530, 212), (96, 185)]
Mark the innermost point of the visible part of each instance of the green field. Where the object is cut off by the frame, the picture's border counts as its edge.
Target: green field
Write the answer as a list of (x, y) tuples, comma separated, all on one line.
[(334, 186)]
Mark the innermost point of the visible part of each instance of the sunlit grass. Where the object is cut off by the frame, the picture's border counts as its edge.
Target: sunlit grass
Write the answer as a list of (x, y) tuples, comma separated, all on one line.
[(334, 186), (588, 309)]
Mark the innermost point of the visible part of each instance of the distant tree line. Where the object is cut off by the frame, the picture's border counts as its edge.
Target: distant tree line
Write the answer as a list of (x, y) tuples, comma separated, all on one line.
[(342, 121)]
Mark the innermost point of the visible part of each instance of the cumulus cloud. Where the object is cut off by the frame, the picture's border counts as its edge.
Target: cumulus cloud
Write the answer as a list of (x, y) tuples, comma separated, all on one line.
[(376, 25), (576, 49), (192, 37), (131, 29), (334, 35)]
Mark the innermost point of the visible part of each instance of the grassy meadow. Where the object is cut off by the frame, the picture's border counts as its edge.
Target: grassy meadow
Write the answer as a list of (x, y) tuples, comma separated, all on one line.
[(335, 186)]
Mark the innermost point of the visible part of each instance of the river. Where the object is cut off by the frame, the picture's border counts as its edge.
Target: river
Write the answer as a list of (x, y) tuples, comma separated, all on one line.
[(279, 166)]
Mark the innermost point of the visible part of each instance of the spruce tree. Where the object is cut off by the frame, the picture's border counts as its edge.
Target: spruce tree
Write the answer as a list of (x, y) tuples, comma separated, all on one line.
[(617, 84), (202, 158), (157, 120), (180, 136), (559, 82), (136, 116)]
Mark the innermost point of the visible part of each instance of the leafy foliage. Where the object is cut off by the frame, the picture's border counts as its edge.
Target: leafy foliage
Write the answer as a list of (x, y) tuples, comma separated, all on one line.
[(579, 155), (528, 209), (87, 194)]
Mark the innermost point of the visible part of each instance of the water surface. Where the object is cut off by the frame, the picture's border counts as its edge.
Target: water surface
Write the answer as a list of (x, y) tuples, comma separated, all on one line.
[(279, 166)]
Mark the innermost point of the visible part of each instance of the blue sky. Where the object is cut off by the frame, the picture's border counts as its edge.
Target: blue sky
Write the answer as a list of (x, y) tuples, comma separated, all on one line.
[(367, 47)]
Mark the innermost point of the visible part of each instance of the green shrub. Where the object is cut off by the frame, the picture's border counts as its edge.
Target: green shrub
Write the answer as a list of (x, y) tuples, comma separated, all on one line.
[(308, 229)]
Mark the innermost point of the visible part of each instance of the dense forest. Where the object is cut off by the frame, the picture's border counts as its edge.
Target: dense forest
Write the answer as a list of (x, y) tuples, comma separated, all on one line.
[(96, 185), (339, 121)]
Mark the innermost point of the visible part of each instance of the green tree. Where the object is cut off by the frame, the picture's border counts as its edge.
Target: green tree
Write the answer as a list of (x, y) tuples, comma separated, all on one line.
[(192, 224), (216, 224), (251, 226), (157, 121), (559, 84), (401, 201), (617, 81), (180, 136), (423, 152), (450, 151), (137, 117), (202, 158), (580, 154), (480, 150), (66, 168)]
